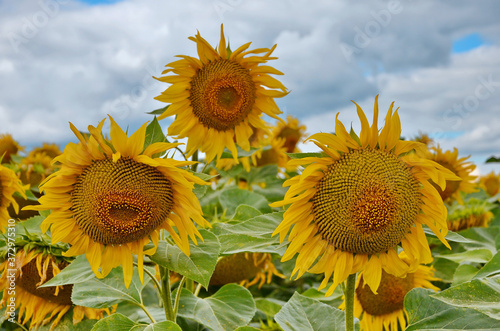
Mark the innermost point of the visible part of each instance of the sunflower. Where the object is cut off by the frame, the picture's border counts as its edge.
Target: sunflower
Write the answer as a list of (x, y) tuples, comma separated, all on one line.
[(37, 165), (461, 168), (9, 184), (490, 183), (39, 306), (220, 96), (245, 268), (352, 207), (472, 213), (8, 147), (385, 309), (110, 198), (292, 131), (424, 138)]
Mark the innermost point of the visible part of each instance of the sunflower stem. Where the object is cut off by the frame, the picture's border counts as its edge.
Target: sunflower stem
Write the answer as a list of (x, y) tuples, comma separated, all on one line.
[(147, 313), (166, 294), (197, 291), (190, 285), (349, 302), (178, 295), (153, 278), (194, 158)]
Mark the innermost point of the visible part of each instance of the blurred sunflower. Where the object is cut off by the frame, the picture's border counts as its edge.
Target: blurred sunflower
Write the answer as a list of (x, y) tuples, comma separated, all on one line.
[(291, 131), (39, 306), (424, 139), (490, 183), (385, 310), (8, 147), (245, 268), (459, 167), (9, 184), (472, 213), (220, 96), (352, 207), (110, 198)]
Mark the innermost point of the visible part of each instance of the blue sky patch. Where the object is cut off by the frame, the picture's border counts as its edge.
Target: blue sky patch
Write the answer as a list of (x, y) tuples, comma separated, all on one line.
[(99, 2), (467, 43)]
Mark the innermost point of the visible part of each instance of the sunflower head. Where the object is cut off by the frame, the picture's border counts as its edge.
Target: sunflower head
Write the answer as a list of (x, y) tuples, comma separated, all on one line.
[(8, 147), (472, 213), (460, 167), (220, 95), (37, 165), (9, 184), (292, 132), (385, 309), (490, 183), (244, 268), (111, 198), (424, 138), (352, 207), (40, 305)]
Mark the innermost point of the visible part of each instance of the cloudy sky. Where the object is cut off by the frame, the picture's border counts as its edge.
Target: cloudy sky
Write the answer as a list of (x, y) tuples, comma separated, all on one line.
[(70, 60)]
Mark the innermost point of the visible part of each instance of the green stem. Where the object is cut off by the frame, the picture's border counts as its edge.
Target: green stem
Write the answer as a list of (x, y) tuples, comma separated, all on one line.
[(178, 295), (20, 325), (349, 302), (194, 158), (197, 291), (166, 294), (190, 285), (147, 313)]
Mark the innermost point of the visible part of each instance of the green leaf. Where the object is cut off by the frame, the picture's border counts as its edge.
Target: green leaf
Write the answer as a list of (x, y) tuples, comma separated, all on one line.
[(158, 111), (106, 292), (231, 198), (304, 155), (480, 255), (115, 322), (428, 313), (231, 307), (445, 269), (301, 314), (199, 266), (491, 268), (162, 326), (241, 153), (251, 235), (154, 133), (269, 306), (76, 272), (492, 159), (450, 236), (481, 294), (464, 273), (245, 212)]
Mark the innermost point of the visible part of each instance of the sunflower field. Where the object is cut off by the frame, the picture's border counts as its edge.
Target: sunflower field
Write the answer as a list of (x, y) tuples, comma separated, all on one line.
[(237, 229)]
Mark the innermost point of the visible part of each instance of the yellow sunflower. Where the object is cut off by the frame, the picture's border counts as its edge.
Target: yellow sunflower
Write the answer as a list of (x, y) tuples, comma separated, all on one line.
[(461, 168), (39, 306), (351, 208), (110, 198), (385, 310), (8, 147), (37, 165), (490, 183), (9, 184), (245, 268), (472, 213), (424, 138), (292, 131), (219, 97)]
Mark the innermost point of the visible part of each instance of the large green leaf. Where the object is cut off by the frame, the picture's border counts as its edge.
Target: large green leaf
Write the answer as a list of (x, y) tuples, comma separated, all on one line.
[(479, 255), (269, 306), (119, 322), (231, 307), (491, 268), (154, 133), (231, 198), (428, 313), (303, 314), (463, 273), (199, 266), (251, 235), (76, 272), (480, 294), (106, 292)]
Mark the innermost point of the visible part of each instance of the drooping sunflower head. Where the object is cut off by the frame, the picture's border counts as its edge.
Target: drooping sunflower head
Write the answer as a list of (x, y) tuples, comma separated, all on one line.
[(40, 305), (8, 147), (460, 167), (351, 207), (490, 183), (9, 184), (245, 268), (218, 97), (291, 131), (472, 213), (385, 310), (110, 198)]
